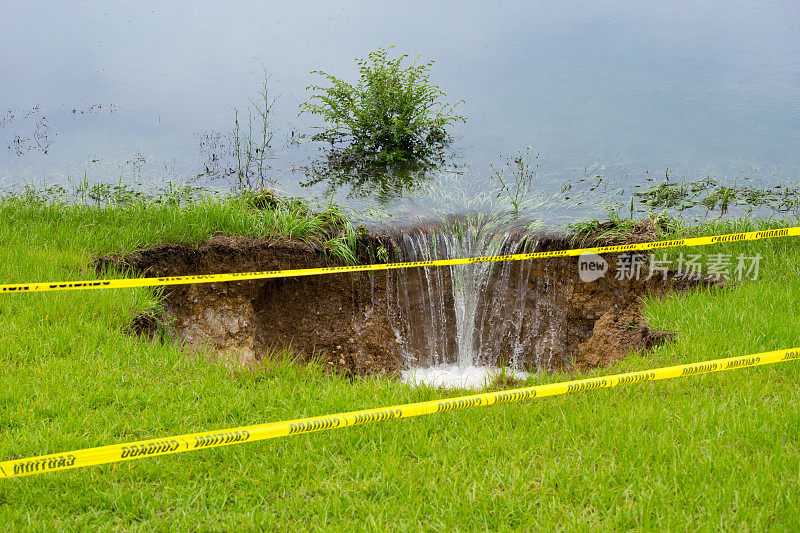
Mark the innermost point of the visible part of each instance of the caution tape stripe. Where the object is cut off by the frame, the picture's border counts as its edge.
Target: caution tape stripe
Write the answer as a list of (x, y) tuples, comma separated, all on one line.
[(270, 274), (225, 437)]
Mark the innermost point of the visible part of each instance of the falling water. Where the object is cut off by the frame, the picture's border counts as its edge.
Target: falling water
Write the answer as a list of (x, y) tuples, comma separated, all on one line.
[(461, 323)]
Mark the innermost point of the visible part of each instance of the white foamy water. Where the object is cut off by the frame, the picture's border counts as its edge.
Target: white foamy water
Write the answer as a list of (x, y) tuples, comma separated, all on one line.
[(450, 376)]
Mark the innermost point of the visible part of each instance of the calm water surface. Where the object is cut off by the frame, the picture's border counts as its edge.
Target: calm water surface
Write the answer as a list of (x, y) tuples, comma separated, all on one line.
[(145, 92)]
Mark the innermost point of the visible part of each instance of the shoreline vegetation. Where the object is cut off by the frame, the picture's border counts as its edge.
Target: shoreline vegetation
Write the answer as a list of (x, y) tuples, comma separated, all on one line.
[(74, 378)]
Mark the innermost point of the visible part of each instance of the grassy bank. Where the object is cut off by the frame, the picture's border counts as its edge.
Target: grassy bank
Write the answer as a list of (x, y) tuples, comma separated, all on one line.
[(708, 452)]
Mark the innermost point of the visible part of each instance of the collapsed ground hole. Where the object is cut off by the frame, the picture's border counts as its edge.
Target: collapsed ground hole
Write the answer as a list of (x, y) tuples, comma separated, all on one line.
[(537, 313)]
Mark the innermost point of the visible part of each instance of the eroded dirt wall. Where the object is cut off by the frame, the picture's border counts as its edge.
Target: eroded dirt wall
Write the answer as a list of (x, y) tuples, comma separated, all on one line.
[(355, 323)]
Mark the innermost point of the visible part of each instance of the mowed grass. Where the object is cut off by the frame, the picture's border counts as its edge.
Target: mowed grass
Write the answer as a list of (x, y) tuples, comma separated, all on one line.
[(719, 451)]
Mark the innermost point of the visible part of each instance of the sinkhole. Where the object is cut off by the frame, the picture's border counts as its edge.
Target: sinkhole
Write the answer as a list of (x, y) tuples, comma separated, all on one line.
[(448, 326)]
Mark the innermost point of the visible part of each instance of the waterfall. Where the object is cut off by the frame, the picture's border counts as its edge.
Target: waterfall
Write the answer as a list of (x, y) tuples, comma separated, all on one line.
[(462, 319)]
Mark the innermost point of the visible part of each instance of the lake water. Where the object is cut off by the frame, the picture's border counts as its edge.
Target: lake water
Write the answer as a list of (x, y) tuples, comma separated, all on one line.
[(145, 92)]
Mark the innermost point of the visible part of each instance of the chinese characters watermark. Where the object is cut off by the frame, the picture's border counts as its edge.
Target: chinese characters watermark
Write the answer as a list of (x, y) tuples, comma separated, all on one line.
[(632, 266)]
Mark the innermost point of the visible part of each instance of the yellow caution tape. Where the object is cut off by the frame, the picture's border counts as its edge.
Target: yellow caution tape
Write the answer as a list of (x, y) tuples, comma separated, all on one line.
[(269, 274), (226, 437)]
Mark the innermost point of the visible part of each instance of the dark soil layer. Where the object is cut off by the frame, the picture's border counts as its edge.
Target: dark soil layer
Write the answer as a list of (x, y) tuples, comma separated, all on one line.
[(350, 321)]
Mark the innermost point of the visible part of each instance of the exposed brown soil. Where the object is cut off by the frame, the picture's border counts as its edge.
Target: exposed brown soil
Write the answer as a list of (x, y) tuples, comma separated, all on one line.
[(350, 321), (603, 318)]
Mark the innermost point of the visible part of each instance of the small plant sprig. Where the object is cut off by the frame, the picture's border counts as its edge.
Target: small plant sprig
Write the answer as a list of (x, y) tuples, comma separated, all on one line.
[(252, 141), (394, 114), (522, 167)]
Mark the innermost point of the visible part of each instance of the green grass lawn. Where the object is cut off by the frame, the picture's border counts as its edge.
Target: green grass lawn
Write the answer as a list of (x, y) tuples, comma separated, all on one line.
[(718, 451)]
